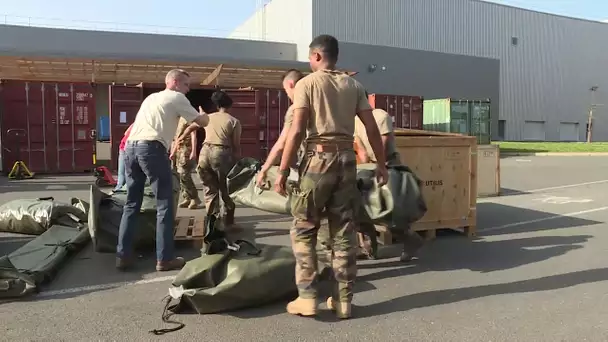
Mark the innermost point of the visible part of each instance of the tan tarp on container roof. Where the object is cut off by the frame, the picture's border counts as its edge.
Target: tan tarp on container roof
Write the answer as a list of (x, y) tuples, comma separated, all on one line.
[(137, 71)]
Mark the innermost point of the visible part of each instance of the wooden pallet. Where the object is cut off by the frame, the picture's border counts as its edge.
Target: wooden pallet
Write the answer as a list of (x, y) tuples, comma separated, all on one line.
[(385, 236), (190, 228)]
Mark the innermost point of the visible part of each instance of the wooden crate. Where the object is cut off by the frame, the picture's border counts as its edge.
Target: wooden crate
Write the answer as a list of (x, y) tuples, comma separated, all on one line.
[(488, 170), (447, 165), (190, 228)]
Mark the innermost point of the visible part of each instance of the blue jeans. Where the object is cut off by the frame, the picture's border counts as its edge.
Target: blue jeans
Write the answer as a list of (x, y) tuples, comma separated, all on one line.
[(147, 159), (121, 171)]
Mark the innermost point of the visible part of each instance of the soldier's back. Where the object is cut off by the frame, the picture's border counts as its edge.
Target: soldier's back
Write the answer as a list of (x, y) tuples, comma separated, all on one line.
[(334, 99), (220, 129)]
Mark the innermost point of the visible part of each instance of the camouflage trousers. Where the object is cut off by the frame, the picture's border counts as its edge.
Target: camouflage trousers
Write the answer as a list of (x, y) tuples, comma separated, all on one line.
[(214, 163), (328, 187), (184, 166)]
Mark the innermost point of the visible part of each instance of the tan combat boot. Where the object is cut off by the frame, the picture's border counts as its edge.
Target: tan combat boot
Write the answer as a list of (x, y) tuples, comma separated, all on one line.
[(343, 310), (302, 307), (194, 204), (184, 204)]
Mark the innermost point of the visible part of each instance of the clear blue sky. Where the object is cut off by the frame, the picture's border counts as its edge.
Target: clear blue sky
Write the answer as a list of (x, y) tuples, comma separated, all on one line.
[(202, 17)]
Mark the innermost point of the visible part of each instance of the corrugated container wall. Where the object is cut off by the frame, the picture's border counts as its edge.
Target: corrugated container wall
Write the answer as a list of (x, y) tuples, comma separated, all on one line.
[(458, 116), (260, 111), (548, 63), (49, 126), (406, 111)]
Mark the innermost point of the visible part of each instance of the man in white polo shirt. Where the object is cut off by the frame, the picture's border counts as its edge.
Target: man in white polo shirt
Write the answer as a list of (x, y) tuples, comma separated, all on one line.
[(147, 156)]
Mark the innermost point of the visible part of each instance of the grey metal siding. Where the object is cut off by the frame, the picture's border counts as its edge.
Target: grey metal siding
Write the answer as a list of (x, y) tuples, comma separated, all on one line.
[(545, 77), (36, 41), (280, 21), (422, 73)]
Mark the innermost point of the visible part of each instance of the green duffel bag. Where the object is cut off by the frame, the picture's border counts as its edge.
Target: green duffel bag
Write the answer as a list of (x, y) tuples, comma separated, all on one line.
[(35, 216), (235, 276)]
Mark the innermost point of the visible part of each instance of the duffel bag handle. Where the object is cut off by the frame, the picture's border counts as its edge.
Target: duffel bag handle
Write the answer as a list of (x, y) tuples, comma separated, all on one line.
[(256, 250), (46, 198)]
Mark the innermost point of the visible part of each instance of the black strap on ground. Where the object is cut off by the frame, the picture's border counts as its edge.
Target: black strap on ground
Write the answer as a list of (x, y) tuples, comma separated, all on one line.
[(165, 317)]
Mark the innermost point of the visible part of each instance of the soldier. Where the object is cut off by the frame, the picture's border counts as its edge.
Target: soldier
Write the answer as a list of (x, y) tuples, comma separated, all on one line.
[(183, 156), (412, 242), (147, 156), (385, 127), (325, 105), (290, 79), (221, 149)]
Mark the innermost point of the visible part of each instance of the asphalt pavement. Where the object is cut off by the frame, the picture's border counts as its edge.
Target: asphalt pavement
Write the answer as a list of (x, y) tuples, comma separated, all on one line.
[(536, 272)]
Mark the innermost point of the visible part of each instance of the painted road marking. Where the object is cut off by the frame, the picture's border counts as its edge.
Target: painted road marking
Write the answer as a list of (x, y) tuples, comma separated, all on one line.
[(566, 186), (522, 223), (562, 200), (101, 287)]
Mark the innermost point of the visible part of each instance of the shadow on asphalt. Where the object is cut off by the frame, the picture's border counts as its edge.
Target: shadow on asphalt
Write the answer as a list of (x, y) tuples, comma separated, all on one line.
[(45, 183), (491, 215), (449, 296), (511, 192)]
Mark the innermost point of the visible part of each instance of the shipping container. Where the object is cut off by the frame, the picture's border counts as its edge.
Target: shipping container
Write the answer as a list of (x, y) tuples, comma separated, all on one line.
[(260, 111), (57, 122), (459, 116), (406, 111), (103, 128)]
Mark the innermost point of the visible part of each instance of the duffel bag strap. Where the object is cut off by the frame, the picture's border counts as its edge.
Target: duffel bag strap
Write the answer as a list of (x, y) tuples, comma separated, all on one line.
[(166, 319)]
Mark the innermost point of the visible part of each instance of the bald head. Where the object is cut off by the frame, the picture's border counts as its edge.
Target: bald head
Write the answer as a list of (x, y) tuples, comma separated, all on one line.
[(292, 75), (290, 78), (178, 80)]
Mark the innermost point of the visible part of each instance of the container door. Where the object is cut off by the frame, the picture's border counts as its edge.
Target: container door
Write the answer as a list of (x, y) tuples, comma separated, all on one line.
[(246, 106), (415, 112), (436, 115), (25, 106), (273, 104), (124, 105), (459, 117), (480, 122), (74, 124)]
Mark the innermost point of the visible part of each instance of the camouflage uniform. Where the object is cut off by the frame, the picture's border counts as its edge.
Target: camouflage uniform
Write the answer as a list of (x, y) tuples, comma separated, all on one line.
[(411, 240), (216, 160), (184, 165), (328, 186)]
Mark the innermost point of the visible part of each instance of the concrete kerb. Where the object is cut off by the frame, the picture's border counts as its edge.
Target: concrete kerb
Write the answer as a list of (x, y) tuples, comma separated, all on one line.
[(553, 154)]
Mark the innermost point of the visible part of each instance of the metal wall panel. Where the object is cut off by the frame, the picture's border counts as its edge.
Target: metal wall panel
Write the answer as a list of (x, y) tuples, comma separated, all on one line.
[(546, 76), (288, 21)]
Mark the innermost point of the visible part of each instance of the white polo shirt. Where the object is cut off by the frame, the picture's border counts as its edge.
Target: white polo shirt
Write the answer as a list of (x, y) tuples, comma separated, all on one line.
[(158, 117)]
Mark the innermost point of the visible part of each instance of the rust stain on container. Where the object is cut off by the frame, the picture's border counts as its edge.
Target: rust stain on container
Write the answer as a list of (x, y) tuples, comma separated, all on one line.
[(406, 111)]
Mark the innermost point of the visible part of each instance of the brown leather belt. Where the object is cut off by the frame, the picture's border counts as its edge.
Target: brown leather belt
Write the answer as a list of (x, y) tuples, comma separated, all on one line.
[(330, 147)]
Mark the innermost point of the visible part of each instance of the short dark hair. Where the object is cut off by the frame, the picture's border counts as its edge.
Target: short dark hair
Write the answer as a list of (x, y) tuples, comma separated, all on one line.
[(366, 94), (328, 46), (221, 99), (292, 75)]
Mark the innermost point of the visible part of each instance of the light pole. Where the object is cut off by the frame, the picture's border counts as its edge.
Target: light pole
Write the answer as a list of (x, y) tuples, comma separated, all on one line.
[(593, 89)]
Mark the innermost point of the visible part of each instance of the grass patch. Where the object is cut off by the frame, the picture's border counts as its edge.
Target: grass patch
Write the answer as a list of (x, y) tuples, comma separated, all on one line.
[(543, 147)]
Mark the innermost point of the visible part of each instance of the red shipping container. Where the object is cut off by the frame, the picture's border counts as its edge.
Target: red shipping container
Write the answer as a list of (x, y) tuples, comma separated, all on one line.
[(260, 111), (406, 111), (59, 122)]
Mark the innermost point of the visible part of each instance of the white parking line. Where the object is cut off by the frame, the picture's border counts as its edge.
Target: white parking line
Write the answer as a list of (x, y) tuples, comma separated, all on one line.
[(101, 287), (522, 223), (566, 186)]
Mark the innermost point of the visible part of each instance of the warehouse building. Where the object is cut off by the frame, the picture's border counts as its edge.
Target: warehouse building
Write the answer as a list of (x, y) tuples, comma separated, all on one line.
[(59, 84), (552, 68)]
